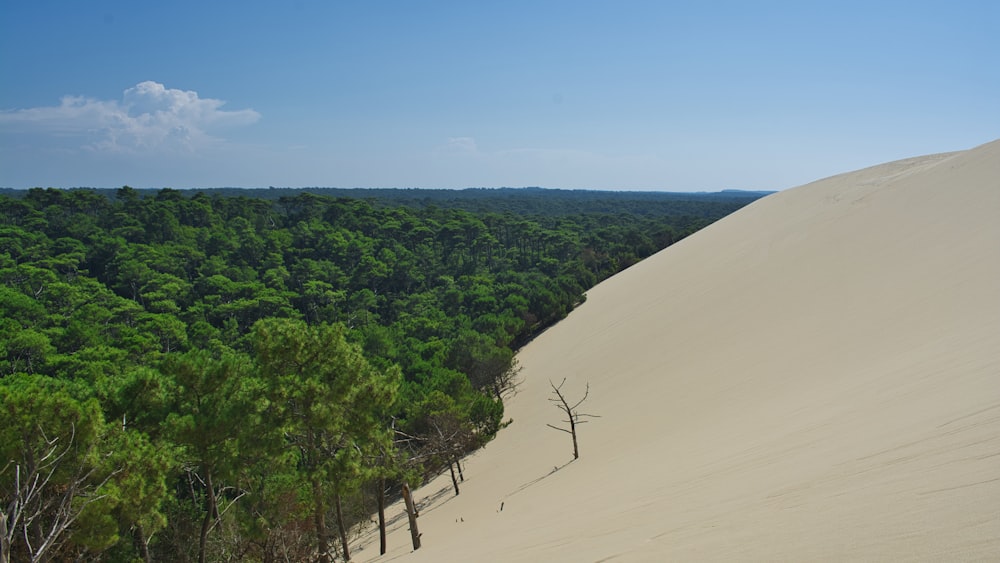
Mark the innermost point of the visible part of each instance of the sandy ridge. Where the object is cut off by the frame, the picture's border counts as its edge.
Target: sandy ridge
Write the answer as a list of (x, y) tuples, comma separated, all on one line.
[(815, 377)]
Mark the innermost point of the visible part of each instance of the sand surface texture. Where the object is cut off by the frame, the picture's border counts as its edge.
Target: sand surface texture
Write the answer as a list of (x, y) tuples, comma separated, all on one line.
[(815, 377)]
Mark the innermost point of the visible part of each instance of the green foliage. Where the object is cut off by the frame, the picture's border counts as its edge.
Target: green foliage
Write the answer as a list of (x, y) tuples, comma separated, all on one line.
[(330, 397), (71, 482), (39, 413), (208, 364), (330, 401), (218, 419)]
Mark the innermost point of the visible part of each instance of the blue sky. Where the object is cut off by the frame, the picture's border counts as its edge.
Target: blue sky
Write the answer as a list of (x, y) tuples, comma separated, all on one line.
[(678, 96)]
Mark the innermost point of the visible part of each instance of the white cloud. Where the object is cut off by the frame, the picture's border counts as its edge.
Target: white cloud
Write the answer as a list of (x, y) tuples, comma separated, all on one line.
[(148, 117), (461, 146)]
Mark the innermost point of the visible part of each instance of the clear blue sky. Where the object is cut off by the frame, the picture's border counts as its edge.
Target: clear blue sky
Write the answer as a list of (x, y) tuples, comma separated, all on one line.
[(658, 95)]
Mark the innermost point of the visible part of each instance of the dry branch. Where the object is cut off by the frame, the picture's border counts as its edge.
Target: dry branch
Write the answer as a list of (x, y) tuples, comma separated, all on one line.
[(573, 418)]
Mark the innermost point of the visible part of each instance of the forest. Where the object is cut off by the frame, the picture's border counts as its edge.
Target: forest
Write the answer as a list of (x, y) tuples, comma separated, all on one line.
[(249, 375)]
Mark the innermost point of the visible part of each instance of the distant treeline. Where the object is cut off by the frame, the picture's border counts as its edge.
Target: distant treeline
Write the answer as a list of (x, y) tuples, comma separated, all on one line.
[(190, 375), (529, 201)]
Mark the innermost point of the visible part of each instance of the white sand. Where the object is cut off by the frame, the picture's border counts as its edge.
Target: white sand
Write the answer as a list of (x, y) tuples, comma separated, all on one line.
[(815, 377)]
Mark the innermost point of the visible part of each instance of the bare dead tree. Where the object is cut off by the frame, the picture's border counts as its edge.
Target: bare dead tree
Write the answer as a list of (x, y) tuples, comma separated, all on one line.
[(573, 418), (450, 440), (41, 511), (443, 444), (507, 381)]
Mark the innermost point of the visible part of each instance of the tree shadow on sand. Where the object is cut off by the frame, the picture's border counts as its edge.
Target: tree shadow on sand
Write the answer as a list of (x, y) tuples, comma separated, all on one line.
[(368, 536), (534, 481), (430, 503)]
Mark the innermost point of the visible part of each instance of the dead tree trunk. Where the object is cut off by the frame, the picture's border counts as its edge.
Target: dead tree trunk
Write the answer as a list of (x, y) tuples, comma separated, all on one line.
[(411, 513), (572, 416), (572, 430)]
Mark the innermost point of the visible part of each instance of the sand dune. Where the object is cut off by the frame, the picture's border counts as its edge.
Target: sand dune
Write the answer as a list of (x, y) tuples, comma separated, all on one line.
[(815, 377)]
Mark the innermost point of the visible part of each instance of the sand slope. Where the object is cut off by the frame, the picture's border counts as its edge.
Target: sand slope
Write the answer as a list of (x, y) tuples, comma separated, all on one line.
[(816, 377)]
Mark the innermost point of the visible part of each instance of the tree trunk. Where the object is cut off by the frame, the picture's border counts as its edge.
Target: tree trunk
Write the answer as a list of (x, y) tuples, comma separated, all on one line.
[(458, 464), (381, 517), (4, 543), (140, 537), (319, 519), (454, 481), (210, 512), (341, 527), (39, 537), (411, 513)]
